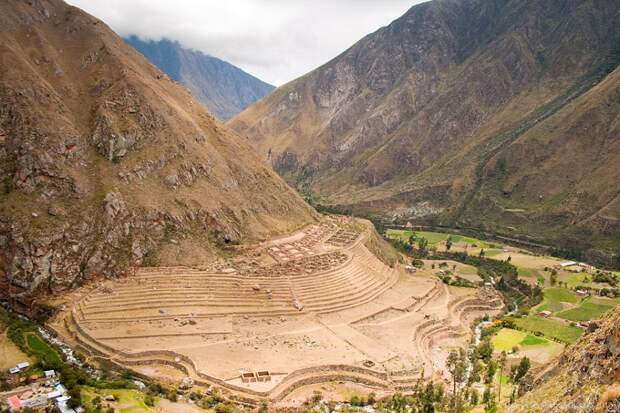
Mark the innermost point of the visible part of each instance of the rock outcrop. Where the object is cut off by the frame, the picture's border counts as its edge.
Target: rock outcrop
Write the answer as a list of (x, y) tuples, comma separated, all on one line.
[(107, 164), (493, 115), (586, 378)]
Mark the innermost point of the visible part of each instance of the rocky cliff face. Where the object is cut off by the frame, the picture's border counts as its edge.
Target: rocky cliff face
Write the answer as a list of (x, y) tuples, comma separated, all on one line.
[(107, 164), (223, 88), (585, 379), (497, 115)]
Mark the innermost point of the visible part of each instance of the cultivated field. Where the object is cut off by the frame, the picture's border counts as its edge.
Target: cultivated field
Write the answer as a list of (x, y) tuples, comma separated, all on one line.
[(10, 355), (538, 349), (315, 307), (560, 298)]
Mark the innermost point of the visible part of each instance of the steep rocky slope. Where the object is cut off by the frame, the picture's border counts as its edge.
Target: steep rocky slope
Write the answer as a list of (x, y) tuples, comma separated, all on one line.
[(495, 115), (223, 88), (106, 163), (586, 378)]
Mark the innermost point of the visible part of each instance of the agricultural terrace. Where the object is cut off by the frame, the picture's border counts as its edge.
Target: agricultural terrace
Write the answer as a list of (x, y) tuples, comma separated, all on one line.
[(316, 307)]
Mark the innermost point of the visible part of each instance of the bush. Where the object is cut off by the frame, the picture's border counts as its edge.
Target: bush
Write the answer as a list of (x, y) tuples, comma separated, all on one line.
[(355, 400), (225, 408), (149, 400)]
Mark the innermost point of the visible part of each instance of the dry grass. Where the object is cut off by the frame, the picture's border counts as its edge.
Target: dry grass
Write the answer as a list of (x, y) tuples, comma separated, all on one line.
[(10, 355)]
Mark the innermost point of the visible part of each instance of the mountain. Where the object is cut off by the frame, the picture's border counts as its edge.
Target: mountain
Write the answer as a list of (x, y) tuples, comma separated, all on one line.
[(586, 378), (225, 89), (107, 164), (499, 116)]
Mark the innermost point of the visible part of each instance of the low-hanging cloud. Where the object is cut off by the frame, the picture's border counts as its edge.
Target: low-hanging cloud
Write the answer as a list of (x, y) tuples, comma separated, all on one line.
[(275, 40)]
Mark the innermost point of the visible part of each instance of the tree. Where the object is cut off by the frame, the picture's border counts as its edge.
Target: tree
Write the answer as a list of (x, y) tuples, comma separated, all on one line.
[(75, 397), (448, 243), (458, 369), (422, 244), (453, 359), (481, 253), (489, 400), (476, 371), (502, 363), (522, 369), (474, 397), (485, 350), (491, 370), (509, 258), (553, 279), (412, 239)]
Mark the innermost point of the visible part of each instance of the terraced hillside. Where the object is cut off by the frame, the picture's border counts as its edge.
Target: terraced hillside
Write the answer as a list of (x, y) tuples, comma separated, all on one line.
[(106, 163), (314, 307)]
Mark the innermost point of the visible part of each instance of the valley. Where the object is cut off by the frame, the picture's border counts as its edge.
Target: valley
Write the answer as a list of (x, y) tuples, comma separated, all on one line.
[(427, 222)]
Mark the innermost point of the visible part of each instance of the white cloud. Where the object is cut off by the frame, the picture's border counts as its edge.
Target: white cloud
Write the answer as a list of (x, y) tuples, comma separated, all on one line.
[(275, 40)]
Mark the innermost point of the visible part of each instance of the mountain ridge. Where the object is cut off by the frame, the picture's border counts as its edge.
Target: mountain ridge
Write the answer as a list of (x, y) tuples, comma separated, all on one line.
[(224, 88), (401, 126)]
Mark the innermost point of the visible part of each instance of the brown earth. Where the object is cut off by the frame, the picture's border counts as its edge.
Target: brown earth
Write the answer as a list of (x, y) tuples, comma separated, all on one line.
[(495, 115), (292, 307), (107, 164)]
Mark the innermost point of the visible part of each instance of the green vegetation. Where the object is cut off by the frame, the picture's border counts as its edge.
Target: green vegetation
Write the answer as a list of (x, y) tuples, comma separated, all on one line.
[(527, 272), (467, 270), (587, 310), (126, 400), (24, 334), (506, 339), (530, 340), (560, 294), (605, 277), (435, 238), (549, 328), (42, 350)]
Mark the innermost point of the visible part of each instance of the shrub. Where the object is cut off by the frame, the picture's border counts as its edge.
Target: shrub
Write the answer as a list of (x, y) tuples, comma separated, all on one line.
[(149, 400)]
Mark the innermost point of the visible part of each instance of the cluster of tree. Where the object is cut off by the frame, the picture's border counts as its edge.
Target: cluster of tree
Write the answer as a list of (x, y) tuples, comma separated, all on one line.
[(456, 281), (605, 277), (479, 366)]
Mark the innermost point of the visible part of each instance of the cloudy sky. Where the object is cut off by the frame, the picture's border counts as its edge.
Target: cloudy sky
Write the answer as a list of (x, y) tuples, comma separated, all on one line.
[(275, 40)]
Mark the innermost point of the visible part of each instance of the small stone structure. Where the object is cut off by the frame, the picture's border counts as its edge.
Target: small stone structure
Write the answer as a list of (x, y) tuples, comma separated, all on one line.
[(263, 376)]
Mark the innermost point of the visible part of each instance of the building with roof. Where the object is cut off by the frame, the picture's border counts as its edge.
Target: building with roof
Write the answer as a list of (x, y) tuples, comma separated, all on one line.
[(14, 403)]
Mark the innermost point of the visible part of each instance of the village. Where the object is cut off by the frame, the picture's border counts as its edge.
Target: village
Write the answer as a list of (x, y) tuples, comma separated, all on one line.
[(34, 391)]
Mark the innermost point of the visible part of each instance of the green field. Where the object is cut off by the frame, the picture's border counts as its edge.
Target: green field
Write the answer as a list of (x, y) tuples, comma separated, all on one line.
[(507, 338), (605, 301), (555, 298), (42, 350), (435, 238), (467, 269), (527, 272), (560, 294), (549, 328), (127, 401), (534, 341), (585, 311)]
